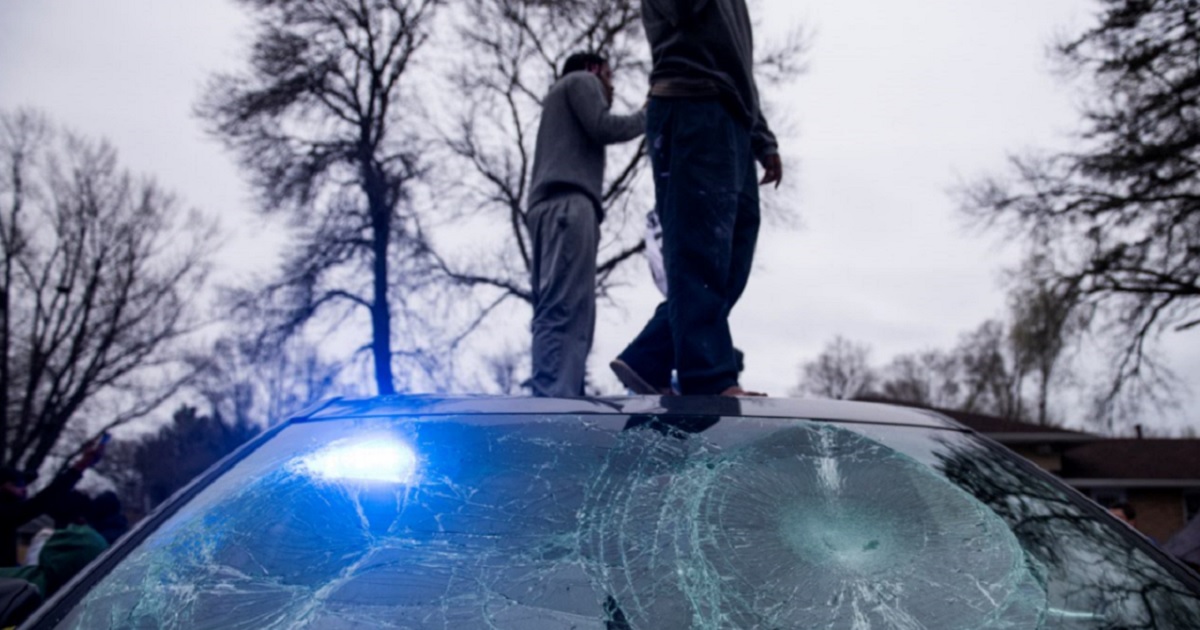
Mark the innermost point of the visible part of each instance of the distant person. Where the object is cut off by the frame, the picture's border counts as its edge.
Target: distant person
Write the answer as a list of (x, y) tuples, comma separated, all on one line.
[(107, 517), (68, 551), (16, 508), (565, 211), (1125, 512), (704, 130)]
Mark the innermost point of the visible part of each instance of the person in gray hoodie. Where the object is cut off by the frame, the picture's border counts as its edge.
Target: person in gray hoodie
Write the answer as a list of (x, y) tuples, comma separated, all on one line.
[(565, 211), (705, 129)]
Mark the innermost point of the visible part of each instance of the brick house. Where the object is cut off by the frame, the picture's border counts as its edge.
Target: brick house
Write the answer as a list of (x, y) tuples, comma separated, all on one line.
[(1159, 478)]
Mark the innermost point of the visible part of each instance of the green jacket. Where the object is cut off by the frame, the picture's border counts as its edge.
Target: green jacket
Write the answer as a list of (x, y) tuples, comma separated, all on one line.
[(65, 554)]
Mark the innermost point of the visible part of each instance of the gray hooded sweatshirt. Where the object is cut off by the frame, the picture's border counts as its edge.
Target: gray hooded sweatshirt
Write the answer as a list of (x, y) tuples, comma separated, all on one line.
[(709, 43), (576, 127)]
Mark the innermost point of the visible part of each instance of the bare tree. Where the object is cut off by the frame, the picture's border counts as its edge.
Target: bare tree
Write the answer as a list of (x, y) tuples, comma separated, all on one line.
[(1120, 215), (247, 387), (1047, 320), (927, 378), (990, 382), (985, 372), (323, 122), (504, 368), (99, 270), (979, 375), (842, 371), (245, 382)]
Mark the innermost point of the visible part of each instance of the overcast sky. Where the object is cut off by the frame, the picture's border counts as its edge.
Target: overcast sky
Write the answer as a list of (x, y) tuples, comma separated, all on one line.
[(902, 101)]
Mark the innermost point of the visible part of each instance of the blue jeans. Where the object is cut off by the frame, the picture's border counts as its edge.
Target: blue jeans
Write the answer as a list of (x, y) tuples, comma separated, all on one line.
[(706, 189)]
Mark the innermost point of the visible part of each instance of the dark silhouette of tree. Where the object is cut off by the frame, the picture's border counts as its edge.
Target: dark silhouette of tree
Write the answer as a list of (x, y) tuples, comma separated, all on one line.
[(247, 383), (99, 270), (1047, 320), (842, 371), (929, 378), (170, 458), (246, 389), (981, 374), (323, 121), (503, 368), (989, 381), (1120, 215)]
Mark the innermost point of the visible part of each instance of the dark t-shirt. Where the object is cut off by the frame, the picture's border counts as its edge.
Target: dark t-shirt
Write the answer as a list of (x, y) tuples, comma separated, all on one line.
[(709, 42)]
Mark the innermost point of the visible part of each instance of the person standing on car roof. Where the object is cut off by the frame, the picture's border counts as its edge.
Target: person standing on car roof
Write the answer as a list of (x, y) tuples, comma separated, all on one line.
[(565, 212), (705, 129)]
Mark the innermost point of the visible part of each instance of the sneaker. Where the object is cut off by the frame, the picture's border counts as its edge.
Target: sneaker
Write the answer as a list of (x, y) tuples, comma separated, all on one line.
[(634, 381)]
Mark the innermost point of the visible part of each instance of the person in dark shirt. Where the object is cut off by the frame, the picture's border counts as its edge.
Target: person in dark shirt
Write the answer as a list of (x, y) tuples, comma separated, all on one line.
[(1128, 514), (17, 508), (107, 517), (705, 129)]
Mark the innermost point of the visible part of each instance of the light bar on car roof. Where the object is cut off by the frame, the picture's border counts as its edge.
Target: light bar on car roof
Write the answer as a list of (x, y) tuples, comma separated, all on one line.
[(382, 459)]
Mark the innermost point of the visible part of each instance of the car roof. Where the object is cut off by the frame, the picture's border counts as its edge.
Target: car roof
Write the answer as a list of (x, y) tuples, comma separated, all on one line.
[(811, 409)]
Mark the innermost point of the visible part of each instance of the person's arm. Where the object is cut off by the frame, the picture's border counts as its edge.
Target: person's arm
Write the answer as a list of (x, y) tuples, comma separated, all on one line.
[(766, 149), (62, 484), (586, 96), (40, 502)]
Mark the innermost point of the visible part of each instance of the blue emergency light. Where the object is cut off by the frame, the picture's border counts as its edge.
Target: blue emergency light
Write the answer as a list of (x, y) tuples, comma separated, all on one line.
[(383, 459)]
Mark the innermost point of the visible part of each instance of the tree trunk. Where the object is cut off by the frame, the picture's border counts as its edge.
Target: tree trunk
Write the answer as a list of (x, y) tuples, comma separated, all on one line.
[(381, 319), (10, 251), (1044, 394)]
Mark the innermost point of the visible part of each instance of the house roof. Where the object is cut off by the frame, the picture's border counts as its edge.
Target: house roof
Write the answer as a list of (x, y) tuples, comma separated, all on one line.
[(1004, 430), (1095, 461), (994, 424), (1118, 462)]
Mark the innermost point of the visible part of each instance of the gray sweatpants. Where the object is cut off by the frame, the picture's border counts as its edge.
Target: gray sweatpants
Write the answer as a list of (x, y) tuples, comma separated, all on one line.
[(565, 236)]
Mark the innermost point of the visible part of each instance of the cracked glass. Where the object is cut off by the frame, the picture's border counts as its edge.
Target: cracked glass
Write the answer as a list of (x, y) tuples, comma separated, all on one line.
[(624, 522)]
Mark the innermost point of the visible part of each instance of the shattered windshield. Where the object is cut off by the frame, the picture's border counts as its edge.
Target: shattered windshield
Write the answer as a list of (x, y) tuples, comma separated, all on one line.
[(631, 522)]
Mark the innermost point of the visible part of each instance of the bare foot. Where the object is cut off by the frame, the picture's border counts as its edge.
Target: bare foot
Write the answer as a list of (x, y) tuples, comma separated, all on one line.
[(737, 392)]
